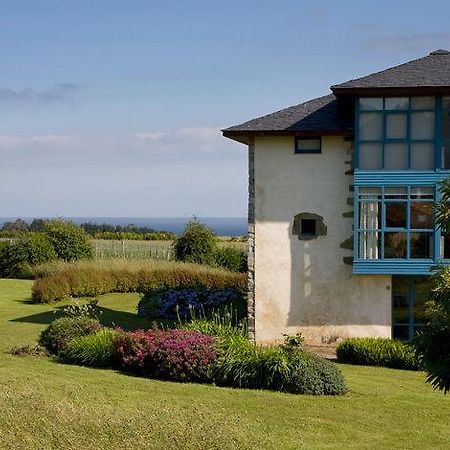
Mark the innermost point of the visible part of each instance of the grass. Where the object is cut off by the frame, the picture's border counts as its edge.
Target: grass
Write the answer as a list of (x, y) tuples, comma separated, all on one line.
[(48, 405), (130, 265)]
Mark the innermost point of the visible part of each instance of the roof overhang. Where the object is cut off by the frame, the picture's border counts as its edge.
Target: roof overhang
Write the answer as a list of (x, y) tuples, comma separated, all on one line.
[(245, 137), (389, 91)]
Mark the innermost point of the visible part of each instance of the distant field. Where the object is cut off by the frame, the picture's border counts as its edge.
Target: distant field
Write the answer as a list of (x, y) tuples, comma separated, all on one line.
[(144, 249)]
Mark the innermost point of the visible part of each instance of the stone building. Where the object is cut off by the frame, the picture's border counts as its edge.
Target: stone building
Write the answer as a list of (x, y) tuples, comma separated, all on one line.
[(341, 196)]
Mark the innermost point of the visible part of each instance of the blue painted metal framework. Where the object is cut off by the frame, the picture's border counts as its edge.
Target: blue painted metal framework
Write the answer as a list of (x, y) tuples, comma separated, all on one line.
[(407, 178)]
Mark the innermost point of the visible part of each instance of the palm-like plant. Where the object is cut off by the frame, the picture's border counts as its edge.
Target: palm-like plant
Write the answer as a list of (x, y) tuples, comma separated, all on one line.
[(433, 344)]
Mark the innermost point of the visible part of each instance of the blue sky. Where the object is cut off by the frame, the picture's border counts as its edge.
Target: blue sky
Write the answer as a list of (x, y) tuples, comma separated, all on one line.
[(113, 108)]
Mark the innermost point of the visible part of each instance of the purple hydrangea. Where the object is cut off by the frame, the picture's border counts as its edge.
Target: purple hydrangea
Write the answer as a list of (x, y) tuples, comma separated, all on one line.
[(173, 303)]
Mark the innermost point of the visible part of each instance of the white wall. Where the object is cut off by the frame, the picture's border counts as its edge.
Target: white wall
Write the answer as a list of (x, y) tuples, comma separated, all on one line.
[(305, 285)]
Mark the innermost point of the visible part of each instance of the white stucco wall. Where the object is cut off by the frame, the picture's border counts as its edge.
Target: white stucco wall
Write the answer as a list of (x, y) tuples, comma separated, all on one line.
[(305, 285)]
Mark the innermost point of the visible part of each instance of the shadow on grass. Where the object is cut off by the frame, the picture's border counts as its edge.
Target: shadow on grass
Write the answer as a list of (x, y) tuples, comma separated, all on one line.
[(108, 317)]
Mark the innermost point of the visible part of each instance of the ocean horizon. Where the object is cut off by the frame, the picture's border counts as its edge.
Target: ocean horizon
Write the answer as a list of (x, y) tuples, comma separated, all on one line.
[(223, 226)]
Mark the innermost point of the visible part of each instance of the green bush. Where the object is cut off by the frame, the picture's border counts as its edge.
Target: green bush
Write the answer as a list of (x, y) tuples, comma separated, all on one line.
[(90, 282), (378, 352), (63, 330), (19, 256), (225, 323), (231, 258), (246, 365), (93, 350), (197, 244), (70, 241)]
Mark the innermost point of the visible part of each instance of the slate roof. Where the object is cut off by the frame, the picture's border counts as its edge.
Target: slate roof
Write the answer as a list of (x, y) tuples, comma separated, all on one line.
[(431, 71), (319, 114), (427, 75)]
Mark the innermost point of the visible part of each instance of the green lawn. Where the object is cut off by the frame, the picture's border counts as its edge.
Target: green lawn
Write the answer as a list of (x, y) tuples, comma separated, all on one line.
[(46, 405)]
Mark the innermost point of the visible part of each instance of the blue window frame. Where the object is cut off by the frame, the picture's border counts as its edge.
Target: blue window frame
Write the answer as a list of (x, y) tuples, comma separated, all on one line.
[(396, 222), (308, 145), (410, 295), (399, 133)]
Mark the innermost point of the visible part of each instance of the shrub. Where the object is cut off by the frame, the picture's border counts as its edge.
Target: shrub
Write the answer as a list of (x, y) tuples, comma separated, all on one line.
[(93, 350), (17, 257), (432, 345), (222, 324), (197, 244), (231, 258), (69, 240), (29, 350), (176, 355), (92, 281), (186, 303), (246, 365), (378, 352), (63, 330)]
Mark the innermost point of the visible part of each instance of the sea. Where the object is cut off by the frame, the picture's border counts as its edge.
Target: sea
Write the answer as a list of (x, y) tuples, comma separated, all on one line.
[(222, 226)]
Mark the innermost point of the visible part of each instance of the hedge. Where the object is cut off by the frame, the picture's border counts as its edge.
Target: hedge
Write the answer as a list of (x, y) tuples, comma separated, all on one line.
[(90, 282), (378, 352)]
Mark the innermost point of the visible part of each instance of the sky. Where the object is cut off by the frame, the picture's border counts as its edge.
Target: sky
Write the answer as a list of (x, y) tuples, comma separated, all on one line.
[(114, 108)]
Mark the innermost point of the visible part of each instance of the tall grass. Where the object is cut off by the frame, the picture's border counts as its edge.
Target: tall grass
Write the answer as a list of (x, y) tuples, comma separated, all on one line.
[(126, 249), (140, 249), (57, 281)]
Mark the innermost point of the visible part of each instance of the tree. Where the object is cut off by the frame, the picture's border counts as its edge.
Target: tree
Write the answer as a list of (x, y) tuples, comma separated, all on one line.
[(433, 344), (69, 240), (197, 244)]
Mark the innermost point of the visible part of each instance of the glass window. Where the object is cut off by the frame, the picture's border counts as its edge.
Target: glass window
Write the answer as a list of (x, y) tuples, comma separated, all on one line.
[(422, 192), (370, 156), (404, 128), (396, 126), (421, 245), (423, 103), (422, 215), (422, 155), (422, 125), (445, 118), (399, 217), (396, 191), (396, 215), (370, 244), (306, 145), (396, 156), (446, 155), (370, 126), (371, 103), (410, 312), (395, 103), (395, 245)]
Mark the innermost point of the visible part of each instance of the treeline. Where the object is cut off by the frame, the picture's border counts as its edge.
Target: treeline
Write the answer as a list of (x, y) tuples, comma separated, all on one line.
[(96, 231)]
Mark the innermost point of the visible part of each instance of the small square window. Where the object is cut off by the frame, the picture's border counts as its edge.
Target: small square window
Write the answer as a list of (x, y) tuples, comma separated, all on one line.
[(308, 145), (308, 228)]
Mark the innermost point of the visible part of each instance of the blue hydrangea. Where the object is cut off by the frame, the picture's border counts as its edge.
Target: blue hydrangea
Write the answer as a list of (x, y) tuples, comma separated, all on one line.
[(171, 303)]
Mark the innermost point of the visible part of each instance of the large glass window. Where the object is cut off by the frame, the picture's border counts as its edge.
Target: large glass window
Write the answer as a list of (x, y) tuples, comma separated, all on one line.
[(445, 132), (396, 222), (410, 298), (398, 133)]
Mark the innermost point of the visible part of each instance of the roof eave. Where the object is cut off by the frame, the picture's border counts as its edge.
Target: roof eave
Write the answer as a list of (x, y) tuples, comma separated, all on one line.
[(390, 90), (243, 136)]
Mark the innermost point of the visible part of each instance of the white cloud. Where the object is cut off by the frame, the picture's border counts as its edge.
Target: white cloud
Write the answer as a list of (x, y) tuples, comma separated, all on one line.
[(57, 93), (148, 173)]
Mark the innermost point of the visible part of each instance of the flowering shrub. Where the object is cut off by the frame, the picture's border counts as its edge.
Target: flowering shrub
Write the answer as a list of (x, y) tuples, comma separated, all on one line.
[(176, 355), (183, 303)]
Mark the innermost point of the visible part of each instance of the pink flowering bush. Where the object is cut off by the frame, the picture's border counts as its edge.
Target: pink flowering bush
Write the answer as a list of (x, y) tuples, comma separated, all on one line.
[(176, 355)]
